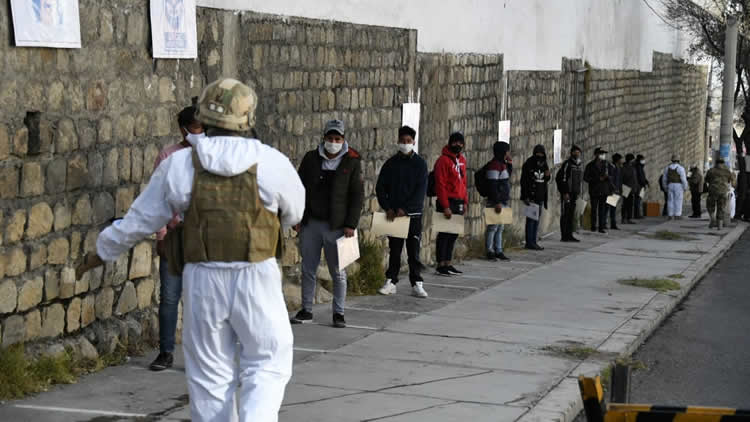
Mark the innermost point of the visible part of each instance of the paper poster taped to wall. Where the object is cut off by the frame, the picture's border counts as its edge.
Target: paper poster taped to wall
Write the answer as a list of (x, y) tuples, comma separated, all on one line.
[(410, 117), (46, 23), (503, 133), (173, 29), (558, 146)]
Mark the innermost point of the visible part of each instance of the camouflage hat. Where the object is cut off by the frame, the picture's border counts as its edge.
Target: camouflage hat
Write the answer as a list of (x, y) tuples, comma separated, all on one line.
[(228, 104)]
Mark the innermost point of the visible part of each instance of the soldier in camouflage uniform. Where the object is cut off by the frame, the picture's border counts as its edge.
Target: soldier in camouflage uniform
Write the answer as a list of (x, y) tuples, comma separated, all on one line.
[(236, 194), (718, 180)]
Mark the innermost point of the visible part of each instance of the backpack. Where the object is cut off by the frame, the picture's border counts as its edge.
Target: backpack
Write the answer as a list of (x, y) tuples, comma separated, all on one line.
[(431, 184), (481, 182), (673, 176)]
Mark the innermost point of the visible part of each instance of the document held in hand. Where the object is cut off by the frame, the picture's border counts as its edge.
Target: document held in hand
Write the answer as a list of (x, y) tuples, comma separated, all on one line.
[(440, 224), (503, 217), (643, 193), (580, 207), (348, 249), (626, 191), (399, 227), (613, 200), (532, 211)]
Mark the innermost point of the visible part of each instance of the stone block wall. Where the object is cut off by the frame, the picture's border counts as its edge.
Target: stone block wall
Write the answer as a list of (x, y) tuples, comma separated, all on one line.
[(80, 129)]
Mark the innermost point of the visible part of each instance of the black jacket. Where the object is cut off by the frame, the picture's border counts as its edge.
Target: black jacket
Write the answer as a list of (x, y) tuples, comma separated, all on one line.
[(569, 178), (616, 178), (339, 195), (641, 169), (402, 183), (630, 177), (534, 178), (597, 170), (498, 176)]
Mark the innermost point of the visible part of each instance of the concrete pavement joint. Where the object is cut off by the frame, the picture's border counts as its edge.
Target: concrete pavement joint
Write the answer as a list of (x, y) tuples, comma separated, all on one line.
[(411, 411)]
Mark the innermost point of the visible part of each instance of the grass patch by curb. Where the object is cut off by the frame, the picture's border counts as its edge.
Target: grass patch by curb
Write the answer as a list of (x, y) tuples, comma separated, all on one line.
[(676, 276), (668, 235), (570, 351), (694, 252), (368, 278), (662, 285)]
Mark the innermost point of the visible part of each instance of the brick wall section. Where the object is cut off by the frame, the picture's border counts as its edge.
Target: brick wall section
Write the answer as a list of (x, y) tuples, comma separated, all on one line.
[(80, 129)]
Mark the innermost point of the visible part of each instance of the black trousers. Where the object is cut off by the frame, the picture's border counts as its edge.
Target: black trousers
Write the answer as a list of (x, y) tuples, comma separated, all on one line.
[(445, 242), (628, 208), (612, 216), (396, 245), (696, 202), (599, 212), (666, 201), (567, 216)]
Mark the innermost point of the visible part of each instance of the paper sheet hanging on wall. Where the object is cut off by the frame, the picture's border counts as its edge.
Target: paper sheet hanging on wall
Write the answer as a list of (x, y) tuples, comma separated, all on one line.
[(558, 146), (410, 117), (46, 23), (503, 132), (173, 29)]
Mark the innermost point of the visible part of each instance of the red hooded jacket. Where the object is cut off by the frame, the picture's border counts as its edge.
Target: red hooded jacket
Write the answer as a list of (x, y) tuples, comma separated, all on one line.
[(450, 178)]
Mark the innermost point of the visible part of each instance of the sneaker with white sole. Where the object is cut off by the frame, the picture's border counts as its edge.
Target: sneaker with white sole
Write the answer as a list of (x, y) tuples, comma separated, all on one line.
[(388, 288), (417, 290)]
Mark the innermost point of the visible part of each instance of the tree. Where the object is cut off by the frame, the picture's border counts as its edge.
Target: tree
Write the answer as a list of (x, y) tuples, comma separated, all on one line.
[(706, 23)]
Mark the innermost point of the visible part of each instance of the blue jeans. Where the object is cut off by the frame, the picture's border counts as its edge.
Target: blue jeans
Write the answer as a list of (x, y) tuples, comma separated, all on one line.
[(169, 294), (532, 228), (494, 238)]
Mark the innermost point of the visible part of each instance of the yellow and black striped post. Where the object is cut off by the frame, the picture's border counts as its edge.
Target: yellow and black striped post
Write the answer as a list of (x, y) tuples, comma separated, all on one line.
[(593, 394)]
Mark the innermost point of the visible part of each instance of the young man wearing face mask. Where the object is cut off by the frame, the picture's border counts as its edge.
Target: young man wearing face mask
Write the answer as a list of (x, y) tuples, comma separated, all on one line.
[(498, 177), (534, 177), (332, 175), (569, 181), (401, 188), (630, 179), (616, 171), (170, 289), (452, 198), (599, 177), (640, 167)]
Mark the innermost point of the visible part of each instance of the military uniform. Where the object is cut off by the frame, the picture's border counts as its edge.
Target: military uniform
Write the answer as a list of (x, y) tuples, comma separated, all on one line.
[(718, 180), (236, 194)]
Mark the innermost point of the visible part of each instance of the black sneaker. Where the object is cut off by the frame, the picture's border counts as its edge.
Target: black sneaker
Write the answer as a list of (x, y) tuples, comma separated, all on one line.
[(339, 321), (443, 271), (614, 227), (501, 256), (162, 362), (451, 269), (302, 317), (602, 231), (491, 257)]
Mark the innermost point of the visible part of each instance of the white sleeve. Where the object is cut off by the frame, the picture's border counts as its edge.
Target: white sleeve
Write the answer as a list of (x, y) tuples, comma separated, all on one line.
[(280, 187), (167, 192)]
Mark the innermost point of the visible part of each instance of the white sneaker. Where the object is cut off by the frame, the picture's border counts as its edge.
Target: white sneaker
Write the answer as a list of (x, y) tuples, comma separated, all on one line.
[(388, 288), (417, 290)]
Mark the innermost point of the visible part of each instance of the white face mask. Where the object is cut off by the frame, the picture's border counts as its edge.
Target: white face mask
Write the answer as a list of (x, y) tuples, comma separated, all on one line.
[(643, 162), (194, 138), (332, 147), (405, 148), (578, 160), (602, 157)]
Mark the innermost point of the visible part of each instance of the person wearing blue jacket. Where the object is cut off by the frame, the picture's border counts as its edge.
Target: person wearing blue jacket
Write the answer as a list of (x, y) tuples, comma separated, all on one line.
[(498, 184), (401, 189)]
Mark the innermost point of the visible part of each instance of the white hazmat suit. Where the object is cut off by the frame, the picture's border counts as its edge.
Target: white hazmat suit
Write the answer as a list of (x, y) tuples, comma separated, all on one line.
[(225, 303), (675, 191)]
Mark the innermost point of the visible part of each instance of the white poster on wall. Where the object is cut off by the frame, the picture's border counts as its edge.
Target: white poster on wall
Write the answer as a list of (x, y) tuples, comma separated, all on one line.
[(557, 147), (410, 117), (173, 29), (503, 132), (46, 23)]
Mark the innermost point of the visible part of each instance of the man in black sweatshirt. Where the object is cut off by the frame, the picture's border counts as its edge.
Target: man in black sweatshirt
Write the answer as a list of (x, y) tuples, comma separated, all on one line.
[(569, 181), (599, 177), (534, 177), (401, 188)]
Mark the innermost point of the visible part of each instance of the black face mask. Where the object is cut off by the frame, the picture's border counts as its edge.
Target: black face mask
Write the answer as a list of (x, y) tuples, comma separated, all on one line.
[(456, 149)]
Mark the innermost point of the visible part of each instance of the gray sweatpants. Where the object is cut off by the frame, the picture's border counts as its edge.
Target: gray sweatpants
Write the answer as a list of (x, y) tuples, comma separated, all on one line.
[(315, 235)]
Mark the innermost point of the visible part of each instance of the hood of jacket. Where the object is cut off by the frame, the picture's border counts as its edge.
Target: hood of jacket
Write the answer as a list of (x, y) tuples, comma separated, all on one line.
[(447, 151), (229, 155), (540, 148)]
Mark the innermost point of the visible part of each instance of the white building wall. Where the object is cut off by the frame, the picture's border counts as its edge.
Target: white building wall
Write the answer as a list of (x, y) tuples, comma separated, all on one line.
[(532, 34)]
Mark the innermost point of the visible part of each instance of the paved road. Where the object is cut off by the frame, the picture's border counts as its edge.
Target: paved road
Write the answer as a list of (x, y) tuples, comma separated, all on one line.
[(700, 355)]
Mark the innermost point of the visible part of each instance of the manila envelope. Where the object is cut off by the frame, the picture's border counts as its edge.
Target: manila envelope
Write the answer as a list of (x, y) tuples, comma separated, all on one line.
[(440, 224), (399, 227), (504, 217)]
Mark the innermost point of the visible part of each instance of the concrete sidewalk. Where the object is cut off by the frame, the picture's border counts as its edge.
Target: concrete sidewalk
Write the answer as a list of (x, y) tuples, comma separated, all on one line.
[(486, 346)]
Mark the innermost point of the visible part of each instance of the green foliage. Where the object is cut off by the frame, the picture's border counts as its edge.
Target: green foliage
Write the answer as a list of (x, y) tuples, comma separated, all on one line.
[(659, 284), (571, 351), (367, 278), (20, 377)]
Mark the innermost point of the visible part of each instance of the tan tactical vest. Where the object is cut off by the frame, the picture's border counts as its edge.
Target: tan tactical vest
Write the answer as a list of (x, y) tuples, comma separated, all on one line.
[(226, 220)]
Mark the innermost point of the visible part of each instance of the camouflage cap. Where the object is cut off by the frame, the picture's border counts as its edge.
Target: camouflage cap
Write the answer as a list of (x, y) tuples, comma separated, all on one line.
[(228, 104)]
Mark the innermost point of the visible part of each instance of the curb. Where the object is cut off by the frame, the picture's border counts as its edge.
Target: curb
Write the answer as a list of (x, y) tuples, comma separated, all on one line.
[(563, 402)]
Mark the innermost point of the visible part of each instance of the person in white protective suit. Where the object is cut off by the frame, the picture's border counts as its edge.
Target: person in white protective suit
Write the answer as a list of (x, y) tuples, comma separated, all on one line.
[(674, 181), (237, 194)]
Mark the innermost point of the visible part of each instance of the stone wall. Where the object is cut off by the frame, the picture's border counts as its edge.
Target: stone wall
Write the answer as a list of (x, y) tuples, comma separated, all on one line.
[(80, 129)]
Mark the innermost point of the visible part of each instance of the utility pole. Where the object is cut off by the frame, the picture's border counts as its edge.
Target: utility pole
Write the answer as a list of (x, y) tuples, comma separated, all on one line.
[(730, 74)]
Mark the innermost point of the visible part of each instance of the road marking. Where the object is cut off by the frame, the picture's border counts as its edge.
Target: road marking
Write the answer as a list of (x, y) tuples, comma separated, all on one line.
[(451, 286), (304, 349), (359, 327), (387, 311), (82, 411), (163, 371)]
